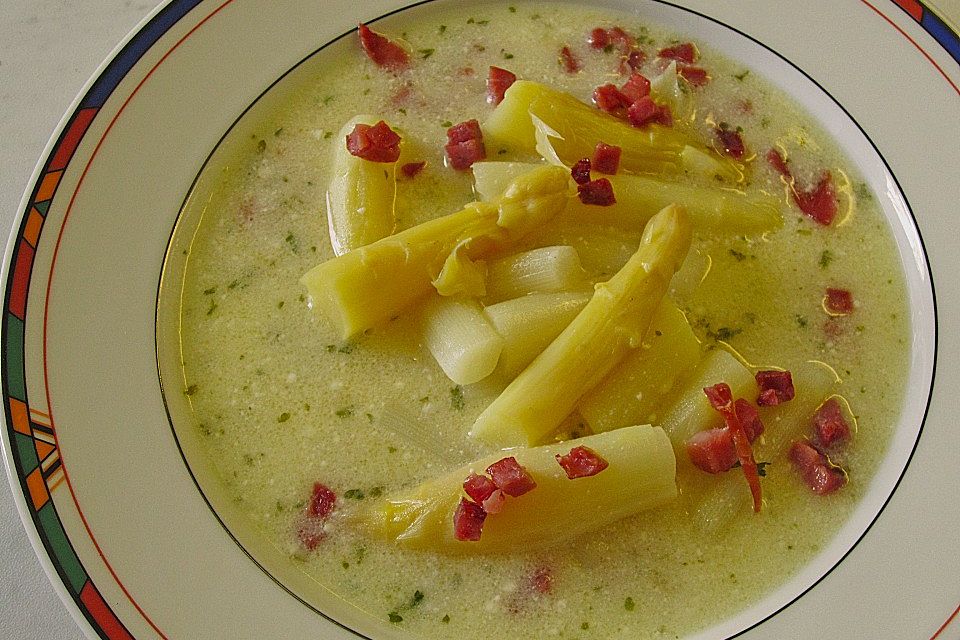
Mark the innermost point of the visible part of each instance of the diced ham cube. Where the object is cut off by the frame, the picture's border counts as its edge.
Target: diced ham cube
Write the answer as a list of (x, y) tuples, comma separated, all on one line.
[(597, 192), (645, 111), (731, 141), (620, 37), (610, 99), (606, 158), (838, 302), (322, 501), (510, 477), (384, 52), (719, 395), (685, 52), (749, 419), (580, 171), (498, 81), (571, 64), (776, 387), (636, 87), (779, 163), (634, 61), (468, 521), (478, 487), (599, 38), (582, 462), (829, 426), (712, 450), (820, 202), (411, 169), (816, 471), (378, 143), (465, 145), (696, 76)]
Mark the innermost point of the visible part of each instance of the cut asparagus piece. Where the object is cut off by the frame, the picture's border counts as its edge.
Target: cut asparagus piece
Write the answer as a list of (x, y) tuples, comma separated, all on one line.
[(368, 286), (601, 335), (640, 475), (461, 339), (691, 412), (648, 378), (491, 179), (712, 209), (530, 323), (361, 197), (655, 149), (547, 269)]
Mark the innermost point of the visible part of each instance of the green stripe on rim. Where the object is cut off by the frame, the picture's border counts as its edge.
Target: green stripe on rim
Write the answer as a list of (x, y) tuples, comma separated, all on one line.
[(65, 558)]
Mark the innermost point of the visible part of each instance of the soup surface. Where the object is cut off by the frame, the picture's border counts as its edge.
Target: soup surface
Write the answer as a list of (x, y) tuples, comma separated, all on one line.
[(281, 401)]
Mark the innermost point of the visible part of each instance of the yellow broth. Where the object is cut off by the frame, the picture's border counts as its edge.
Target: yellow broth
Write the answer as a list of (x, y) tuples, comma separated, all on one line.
[(281, 402)]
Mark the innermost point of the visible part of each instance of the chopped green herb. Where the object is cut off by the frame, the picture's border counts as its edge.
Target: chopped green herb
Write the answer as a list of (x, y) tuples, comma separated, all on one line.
[(826, 258), (346, 347), (369, 417), (210, 291), (483, 22), (292, 241), (456, 398), (327, 135), (213, 307), (742, 75), (804, 232), (280, 305), (628, 604), (402, 110), (417, 598), (470, 20), (512, 9), (442, 29), (424, 400), (445, 619), (724, 334), (391, 449), (535, 16), (345, 412), (192, 389), (354, 494), (762, 469), (345, 564), (862, 191), (738, 255), (376, 492), (425, 53), (261, 146), (446, 124), (327, 99), (233, 285), (507, 55), (608, 48), (395, 617), (801, 321), (278, 132), (331, 348), (584, 625), (764, 122), (283, 417)]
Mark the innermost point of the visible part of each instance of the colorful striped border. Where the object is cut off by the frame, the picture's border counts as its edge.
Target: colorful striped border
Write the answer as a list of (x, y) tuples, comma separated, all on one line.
[(36, 458), (31, 433), (932, 24)]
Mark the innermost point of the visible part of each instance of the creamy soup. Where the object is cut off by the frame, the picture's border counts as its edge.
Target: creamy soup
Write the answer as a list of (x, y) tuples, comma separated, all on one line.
[(282, 401)]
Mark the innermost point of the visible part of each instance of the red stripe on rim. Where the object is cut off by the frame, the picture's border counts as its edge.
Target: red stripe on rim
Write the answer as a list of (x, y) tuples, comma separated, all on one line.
[(98, 608), (914, 8), (71, 139)]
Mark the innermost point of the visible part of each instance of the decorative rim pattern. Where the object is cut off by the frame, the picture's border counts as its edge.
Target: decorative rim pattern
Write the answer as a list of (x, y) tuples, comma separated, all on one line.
[(34, 451)]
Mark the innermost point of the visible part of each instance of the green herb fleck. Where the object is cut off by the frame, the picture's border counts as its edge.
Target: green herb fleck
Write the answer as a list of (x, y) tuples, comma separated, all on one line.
[(738, 255), (402, 110), (369, 417), (395, 617), (278, 132), (425, 53), (535, 16), (724, 334), (345, 564), (283, 417), (628, 604), (233, 285), (417, 598), (213, 307), (442, 29), (446, 124), (210, 291), (327, 135), (584, 625), (764, 122), (280, 305), (862, 191), (507, 55), (608, 48), (801, 321), (445, 619), (470, 20), (512, 9), (291, 240), (391, 449), (742, 75), (376, 492), (327, 99), (762, 469), (354, 494), (456, 398), (345, 412), (826, 258), (261, 146), (192, 389), (346, 347)]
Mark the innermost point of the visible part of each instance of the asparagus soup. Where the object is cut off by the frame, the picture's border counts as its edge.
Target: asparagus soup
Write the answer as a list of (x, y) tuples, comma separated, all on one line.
[(533, 320)]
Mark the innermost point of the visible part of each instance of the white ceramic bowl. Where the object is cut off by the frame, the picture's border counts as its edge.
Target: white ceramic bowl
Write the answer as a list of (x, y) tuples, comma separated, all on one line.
[(134, 547)]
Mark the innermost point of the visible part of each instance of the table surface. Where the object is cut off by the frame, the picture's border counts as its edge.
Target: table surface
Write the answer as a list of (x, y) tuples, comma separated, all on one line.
[(48, 51)]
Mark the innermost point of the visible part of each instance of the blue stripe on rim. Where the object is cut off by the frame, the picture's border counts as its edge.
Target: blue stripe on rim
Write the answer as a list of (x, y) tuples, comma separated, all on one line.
[(942, 33)]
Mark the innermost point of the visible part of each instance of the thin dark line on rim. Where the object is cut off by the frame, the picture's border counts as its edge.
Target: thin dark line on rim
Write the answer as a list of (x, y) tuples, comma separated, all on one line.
[(663, 2)]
